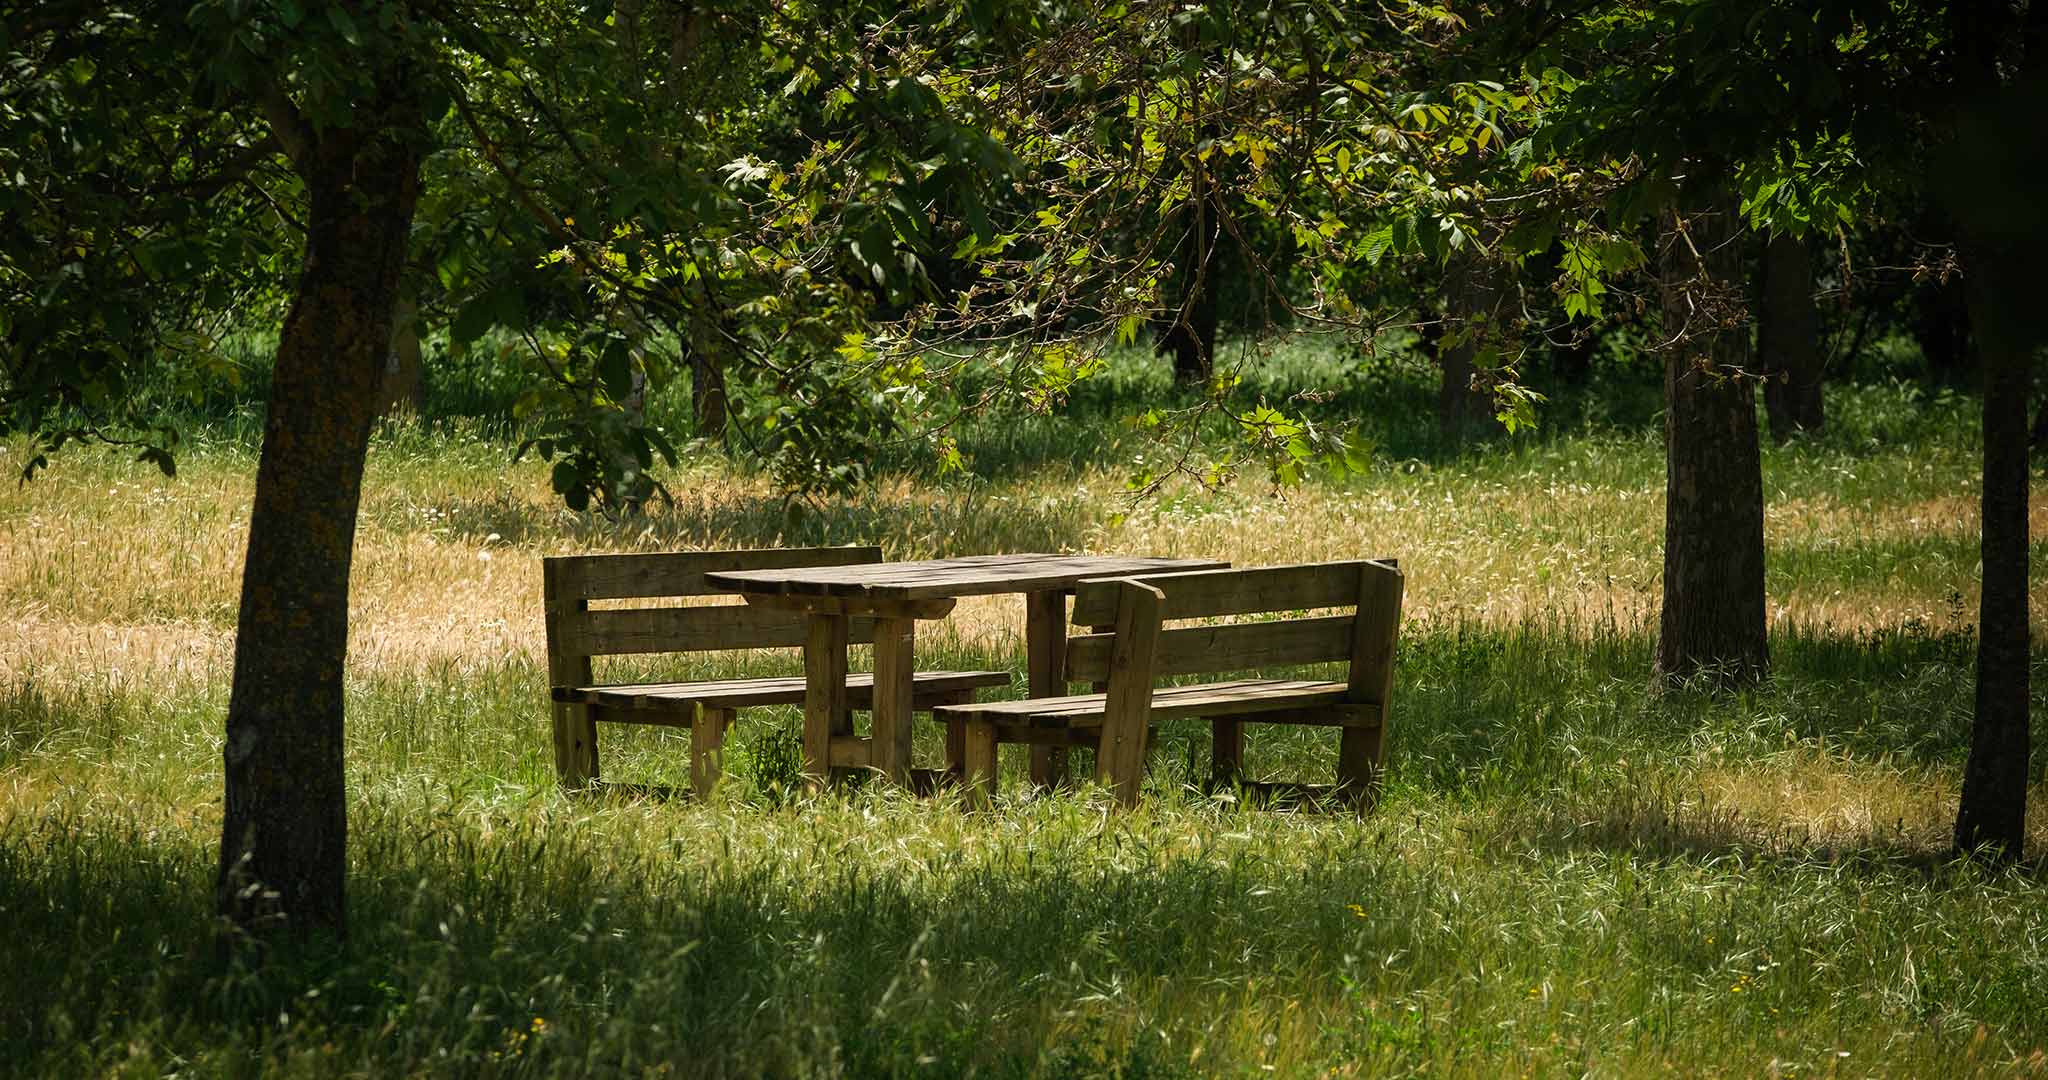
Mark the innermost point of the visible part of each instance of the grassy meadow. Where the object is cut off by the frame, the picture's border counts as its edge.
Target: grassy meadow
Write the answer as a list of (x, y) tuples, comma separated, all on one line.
[(1567, 874)]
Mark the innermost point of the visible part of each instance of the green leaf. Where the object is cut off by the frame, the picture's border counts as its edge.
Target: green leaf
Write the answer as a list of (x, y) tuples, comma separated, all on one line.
[(449, 267), (344, 25), (615, 370), (1377, 242), (474, 319)]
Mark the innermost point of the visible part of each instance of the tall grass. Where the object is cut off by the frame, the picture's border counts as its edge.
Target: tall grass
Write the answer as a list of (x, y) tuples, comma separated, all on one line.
[(1568, 872)]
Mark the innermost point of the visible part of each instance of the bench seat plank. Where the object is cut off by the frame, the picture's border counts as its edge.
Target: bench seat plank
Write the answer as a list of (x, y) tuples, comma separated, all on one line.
[(774, 690), (1316, 702)]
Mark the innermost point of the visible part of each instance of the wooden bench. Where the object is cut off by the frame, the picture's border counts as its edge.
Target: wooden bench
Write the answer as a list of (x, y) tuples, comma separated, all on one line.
[(1129, 649), (576, 633)]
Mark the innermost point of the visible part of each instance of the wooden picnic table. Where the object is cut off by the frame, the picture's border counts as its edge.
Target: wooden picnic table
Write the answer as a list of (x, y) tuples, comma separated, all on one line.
[(898, 594)]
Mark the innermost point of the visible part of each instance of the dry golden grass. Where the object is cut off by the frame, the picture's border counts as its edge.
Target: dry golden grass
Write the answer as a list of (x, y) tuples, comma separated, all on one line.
[(1808, 797), (108, 569)]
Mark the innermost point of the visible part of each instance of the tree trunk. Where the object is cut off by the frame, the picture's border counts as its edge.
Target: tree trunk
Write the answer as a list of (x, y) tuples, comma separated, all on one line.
[(1713, 617), (1941, 326), (402, 385), (707, 395), (284, 828), (1788, 336), (1471, 293), (1992, 814), (1990, 182), (1190, 336), (1573, 362)]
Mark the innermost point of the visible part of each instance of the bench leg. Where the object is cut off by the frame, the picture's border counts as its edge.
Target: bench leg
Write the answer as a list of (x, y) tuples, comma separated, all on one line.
[(1358, 766), (575, 746), (707, 748), (978, 739), (956, 748), (956, 735), (1226, 752)]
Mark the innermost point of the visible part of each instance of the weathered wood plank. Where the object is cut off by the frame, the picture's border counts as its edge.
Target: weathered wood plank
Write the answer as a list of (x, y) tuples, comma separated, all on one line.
[(1192, 650), (707, 749), (973, 575), (1315, 702), (1226, 750), (824, 691), (928, 689), (1063, 737), (681, 573), (1206, 593), (681, 716), (575, 730), (1362, 752), (1045, 639), (1127, 712), (895, 657), (852, 752), (956, 744), (636, 631), (882, 607), (981, 762)]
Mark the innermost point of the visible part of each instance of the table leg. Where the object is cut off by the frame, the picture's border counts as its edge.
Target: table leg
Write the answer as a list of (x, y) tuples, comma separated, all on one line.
[(824, 691), (895, 670), (1045, 643)]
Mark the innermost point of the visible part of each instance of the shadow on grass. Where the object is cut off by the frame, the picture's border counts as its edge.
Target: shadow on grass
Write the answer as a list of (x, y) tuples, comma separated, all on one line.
[(513, 945), (1652, 819), (1490, 709)]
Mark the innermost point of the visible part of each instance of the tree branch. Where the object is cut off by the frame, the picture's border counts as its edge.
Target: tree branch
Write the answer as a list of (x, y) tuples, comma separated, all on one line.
[(287, 124)]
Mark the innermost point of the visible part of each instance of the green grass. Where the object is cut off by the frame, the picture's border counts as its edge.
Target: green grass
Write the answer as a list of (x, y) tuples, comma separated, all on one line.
[(1546, 887), (1567, 874)]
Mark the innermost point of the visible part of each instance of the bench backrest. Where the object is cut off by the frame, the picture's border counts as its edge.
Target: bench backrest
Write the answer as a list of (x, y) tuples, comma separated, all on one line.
[(1129, 646), (576, 632)]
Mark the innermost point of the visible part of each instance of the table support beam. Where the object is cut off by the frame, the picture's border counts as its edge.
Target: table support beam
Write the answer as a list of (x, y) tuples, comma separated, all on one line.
[(824, 691), (895, 671), (1045, 642)]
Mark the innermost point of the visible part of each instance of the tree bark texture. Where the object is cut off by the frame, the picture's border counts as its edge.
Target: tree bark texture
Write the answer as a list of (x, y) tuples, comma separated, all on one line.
[(707, 395), (403, 384), (1190, 335), (284, 832), (1990, 182), (1992, 812), (1713, 616), (1472, 294), (1788, 336), (1941, 327)]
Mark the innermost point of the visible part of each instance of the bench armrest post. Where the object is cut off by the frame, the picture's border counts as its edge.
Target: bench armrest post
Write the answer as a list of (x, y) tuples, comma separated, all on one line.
[(1120, 759), (1362, 751)]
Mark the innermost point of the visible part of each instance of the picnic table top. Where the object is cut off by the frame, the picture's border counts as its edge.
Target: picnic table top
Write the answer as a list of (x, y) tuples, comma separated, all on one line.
[(969, 575)]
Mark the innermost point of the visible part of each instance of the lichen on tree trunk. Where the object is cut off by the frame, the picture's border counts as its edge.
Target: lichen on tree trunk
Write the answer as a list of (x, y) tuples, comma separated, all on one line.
[(284, 827)]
